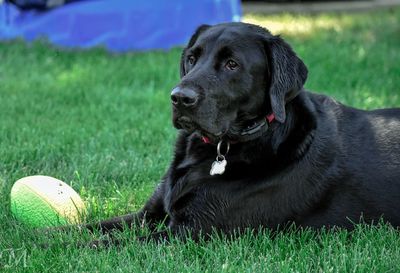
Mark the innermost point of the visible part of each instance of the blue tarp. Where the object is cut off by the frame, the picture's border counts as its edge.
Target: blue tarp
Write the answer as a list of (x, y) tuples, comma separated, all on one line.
[(119, 25)]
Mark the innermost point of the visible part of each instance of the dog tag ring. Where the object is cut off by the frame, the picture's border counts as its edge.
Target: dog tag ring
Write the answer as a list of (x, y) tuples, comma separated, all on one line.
[(218, 166)]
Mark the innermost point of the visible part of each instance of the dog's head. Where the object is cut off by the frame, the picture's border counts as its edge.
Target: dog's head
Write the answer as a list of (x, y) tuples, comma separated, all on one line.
[(232, 74)]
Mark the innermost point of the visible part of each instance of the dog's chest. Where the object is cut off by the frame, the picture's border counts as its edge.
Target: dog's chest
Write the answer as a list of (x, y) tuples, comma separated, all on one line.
[(191, 193)]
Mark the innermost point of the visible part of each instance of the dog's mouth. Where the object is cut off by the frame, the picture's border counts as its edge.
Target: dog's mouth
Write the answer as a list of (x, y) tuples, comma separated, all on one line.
[(191, 126), (242, 128), (185, 123)]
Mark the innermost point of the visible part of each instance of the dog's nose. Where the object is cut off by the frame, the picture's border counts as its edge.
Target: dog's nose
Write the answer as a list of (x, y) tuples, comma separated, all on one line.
[(185, 97)]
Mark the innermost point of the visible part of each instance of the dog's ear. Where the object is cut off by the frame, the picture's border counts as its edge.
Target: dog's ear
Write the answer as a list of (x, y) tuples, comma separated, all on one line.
[(192, 40), (287, 72)]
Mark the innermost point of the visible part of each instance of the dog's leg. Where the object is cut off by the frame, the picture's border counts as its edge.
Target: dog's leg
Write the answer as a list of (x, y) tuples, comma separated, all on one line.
[(152, 214), (116, 223), (164, 236)]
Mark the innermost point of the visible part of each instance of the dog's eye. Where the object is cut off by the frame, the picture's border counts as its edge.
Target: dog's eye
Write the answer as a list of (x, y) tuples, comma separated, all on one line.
[(231, 65), (191, 59)]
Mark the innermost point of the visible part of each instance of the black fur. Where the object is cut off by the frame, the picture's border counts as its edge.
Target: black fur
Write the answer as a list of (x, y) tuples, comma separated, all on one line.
[(320, 164)]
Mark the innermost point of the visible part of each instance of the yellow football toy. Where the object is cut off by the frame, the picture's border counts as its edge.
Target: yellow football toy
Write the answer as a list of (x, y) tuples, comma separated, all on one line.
[(43, 201)]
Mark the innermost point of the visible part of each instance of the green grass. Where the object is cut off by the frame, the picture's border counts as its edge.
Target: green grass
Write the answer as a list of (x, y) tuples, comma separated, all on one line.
[(101, 123)]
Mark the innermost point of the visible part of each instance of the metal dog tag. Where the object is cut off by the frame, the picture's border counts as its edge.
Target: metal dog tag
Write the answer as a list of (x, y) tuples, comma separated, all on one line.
[(218, 166)]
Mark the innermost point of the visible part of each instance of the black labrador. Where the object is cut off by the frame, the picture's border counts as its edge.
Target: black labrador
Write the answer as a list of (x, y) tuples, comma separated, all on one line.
[(257, 150)]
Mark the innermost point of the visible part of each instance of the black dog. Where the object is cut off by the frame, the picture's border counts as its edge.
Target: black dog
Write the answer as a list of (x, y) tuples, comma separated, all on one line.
[(257, 150)]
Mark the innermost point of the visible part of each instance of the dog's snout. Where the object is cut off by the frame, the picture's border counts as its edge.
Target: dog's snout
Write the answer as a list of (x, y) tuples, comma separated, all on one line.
[(184, 97)]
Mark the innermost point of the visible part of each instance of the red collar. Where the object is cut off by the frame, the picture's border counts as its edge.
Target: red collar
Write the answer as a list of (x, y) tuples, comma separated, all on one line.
[(270, 118)]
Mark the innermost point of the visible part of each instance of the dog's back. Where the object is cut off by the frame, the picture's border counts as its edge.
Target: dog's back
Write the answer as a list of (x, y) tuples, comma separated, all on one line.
[(368, 155)]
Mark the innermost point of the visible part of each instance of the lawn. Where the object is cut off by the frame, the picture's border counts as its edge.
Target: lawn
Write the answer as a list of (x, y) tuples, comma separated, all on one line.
[(101, 123)]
